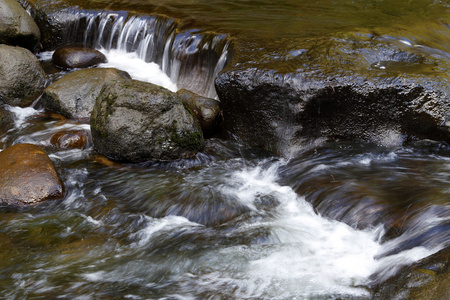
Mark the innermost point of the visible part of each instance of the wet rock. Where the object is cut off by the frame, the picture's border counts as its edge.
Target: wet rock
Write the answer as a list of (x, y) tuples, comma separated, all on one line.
[(74, 94), (76, 139), (22, 78), (6, 120), (427, 279), (138, 121), (332, 89), (17, 27), (77, 56), (206, 110), (27, 176)]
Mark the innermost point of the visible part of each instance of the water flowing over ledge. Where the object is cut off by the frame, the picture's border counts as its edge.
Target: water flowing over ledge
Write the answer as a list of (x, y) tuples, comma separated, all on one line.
[(190, 59), (328, 223)]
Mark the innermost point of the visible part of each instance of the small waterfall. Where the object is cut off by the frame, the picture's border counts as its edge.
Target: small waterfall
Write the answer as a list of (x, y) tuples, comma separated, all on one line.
[(190, 58)]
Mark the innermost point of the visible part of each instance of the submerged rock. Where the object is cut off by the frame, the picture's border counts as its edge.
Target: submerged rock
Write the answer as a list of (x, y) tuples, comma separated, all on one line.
[(77, 56), (17, 27), (206, 110), (74, 94), (137, 121), (76, 139), (28, 176), (429, 278), (22, 78)]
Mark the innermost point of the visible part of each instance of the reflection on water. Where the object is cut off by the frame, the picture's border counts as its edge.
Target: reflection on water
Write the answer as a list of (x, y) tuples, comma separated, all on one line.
[(234, 223), (237, 225)]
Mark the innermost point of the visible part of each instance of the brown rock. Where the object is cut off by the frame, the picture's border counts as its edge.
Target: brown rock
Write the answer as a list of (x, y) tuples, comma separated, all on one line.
[(70, 139), (77, 56), (27, 176)]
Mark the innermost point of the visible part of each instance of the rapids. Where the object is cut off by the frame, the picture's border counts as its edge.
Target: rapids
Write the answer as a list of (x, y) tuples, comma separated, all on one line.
[(328, 222)]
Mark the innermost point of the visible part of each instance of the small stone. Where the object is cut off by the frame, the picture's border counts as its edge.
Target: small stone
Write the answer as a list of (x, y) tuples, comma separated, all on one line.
[(77, 139), (77, 56)]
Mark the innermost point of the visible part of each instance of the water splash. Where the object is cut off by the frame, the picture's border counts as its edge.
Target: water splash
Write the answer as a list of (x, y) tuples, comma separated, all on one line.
[(189, 58)]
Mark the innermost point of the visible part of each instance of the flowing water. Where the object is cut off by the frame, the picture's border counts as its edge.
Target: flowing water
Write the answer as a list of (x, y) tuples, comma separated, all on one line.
[(231, 222)]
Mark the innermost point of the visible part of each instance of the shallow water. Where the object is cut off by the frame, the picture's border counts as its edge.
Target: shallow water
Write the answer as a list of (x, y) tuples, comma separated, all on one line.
[(232, 222)]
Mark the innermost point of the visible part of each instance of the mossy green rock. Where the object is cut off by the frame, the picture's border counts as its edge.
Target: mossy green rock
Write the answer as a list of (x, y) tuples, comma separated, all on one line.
[(135, 121)]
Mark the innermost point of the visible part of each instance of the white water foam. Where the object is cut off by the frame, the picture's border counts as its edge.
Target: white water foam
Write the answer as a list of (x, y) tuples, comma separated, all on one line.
[(305, 255), (21, 114), (137, 68)]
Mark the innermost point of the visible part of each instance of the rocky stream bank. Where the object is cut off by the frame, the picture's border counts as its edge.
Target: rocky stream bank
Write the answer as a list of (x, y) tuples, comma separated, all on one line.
[(345, 86)]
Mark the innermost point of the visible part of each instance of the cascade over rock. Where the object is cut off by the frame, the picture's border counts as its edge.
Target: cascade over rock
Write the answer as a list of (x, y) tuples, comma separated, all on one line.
[(22, 78), (74, 94), (28, 176), (17, 27), (429, 278), (190, 58), (137, 121)]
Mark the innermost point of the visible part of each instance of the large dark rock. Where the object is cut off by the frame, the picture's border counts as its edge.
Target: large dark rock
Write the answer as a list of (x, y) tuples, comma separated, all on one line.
[(17, 27), (27, 176), (336, 88), (137, 121), (74, 94), (22, 78), (427, 279), (77, 56), (207, 110)]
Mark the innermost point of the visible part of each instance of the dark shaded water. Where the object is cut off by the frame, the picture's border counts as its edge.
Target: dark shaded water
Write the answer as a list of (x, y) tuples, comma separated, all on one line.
[(233, 222), (230, 223)]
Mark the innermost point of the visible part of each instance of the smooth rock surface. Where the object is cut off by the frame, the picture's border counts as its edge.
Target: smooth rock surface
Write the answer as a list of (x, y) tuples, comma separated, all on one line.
[(22, 78), (74, 94), (77, 56), (206, 110), (28, 176), (17, 27), (75, 139)]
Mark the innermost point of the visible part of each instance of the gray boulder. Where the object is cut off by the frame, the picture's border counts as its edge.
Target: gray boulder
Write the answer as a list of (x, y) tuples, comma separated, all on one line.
[(74, 94), (206, 110), (17, 27), (137, 121), (77, 56), (22, 78)]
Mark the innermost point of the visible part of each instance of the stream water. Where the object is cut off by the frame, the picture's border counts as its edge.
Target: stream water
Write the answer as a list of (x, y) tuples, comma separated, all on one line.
[(229, 223)]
